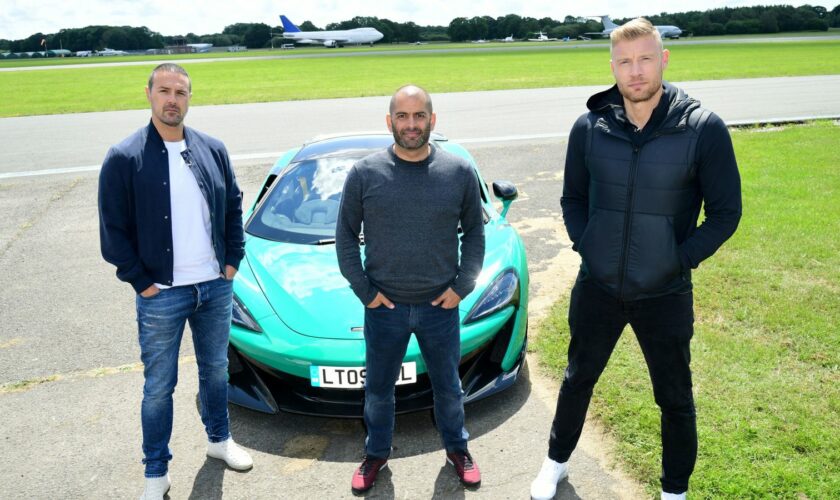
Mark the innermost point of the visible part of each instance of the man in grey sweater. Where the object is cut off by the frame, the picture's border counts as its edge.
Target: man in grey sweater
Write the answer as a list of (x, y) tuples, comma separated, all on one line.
[(411, 198)]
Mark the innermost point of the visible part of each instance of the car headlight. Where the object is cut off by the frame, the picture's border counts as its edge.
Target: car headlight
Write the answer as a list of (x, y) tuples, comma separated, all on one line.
[(242, 317), (503, 291)]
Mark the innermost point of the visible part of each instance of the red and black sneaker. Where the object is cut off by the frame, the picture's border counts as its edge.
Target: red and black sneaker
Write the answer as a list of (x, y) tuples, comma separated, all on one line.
[(365, 475), (465, 467)]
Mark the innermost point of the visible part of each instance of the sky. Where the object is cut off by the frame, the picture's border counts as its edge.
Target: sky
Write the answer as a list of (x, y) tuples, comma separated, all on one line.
[(21, 18)]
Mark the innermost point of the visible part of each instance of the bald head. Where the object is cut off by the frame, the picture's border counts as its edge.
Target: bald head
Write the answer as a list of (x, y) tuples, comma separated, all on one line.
[(411, 92)]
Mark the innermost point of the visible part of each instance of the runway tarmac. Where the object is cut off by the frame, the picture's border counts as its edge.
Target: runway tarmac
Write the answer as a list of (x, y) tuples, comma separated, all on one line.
[(70, 381), (35, 144)]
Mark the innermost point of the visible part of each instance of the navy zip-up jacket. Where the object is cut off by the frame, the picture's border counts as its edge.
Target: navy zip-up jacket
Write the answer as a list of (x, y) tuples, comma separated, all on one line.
[(135, 215), (632, 198)]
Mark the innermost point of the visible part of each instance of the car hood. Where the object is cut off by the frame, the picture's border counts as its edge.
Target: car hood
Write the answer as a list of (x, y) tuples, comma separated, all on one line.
[(308, 293), (306, 289)]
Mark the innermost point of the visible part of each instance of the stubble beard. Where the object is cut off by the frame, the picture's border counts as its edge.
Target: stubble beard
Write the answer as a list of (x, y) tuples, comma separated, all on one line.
[(412, 144), (173, 120), (647, 93)]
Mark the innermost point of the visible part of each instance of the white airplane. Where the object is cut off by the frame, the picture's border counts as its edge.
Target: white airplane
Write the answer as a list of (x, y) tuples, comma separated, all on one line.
[(509, 39), (200, 47), (665, 31), (541, 37), (337, 38), (111, 52)]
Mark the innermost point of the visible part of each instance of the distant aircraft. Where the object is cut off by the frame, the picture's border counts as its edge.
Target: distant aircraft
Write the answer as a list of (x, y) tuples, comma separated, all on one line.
[(509, 38), (541, 37), (337, 38), (200, 47), (665, 31), (111, 52)]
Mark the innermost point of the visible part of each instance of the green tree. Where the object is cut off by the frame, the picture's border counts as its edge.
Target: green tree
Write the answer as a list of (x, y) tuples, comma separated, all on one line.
[(257, 35)]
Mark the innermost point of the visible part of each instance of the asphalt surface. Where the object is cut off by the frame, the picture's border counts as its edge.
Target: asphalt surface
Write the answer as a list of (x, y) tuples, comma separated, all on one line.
[(70, 385), (36, 143), (68, 348)]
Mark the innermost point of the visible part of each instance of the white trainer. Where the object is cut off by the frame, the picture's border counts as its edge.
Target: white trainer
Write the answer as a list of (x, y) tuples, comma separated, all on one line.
[(544, 486), (156, 488), (673, 496), (234, 456)]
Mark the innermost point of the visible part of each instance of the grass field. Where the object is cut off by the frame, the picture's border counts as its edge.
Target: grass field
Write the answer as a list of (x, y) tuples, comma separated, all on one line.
[(75, 90), (766, 350), (317, 49)]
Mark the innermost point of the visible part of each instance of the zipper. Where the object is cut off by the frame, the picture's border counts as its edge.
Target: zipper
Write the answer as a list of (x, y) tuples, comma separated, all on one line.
[(628, 215)]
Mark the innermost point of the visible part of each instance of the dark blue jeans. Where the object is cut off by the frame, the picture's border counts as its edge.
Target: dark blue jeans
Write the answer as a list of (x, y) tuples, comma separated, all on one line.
[(387, 332), (663, 327), (161, 320)]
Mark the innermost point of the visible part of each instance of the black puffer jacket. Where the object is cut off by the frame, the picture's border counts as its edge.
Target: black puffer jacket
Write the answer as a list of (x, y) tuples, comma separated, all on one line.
[(631, 199)]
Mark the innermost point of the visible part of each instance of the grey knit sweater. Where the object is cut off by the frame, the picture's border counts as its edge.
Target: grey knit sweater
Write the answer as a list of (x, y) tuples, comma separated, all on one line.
[(410, 212)]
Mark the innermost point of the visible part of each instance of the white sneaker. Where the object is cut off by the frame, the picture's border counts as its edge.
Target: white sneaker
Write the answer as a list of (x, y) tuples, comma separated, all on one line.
[(156, 488), (233, 455), (544, 486), (673, 496)]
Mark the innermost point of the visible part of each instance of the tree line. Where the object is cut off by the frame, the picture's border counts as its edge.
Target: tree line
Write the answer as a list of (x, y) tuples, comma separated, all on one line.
[(722, 21)]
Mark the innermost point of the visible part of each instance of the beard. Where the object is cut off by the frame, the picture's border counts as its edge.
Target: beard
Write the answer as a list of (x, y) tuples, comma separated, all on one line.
[(171, 119), (644, 94), (412, 143)]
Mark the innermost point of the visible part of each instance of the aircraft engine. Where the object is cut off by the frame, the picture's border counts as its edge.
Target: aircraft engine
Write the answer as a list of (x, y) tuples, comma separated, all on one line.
[(330, 44)]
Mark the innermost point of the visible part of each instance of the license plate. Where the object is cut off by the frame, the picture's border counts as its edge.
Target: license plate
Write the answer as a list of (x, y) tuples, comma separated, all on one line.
[(353, 377)]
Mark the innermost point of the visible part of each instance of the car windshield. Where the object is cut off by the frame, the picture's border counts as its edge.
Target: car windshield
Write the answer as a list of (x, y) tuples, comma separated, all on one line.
[(302, 206)]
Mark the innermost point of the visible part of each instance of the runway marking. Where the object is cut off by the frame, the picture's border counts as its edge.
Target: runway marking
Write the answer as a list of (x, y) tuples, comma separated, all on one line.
[(474, 140), (303, 451), (271, 155), (10, 343), (25, 385)]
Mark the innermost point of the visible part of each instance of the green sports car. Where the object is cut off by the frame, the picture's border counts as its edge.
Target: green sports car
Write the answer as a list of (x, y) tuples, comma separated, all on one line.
[(296, 342)]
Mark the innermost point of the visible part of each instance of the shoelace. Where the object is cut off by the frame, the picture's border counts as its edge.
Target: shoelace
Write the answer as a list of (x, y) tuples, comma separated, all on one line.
[(367, 466), (465, 460)]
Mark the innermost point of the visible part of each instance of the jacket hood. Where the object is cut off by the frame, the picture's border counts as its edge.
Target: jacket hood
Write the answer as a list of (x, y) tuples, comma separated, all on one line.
[(611, 102)]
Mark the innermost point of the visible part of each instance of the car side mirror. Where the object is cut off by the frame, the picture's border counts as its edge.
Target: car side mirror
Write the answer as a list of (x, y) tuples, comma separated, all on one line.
[(507, 192)]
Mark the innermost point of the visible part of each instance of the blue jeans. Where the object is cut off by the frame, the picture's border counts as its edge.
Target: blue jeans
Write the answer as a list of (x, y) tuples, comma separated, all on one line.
[(387, 332), (663, 327), (161, 320)]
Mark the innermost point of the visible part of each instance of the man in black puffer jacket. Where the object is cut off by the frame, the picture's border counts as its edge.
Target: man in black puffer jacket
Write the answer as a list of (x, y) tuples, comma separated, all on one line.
[(639, 167)]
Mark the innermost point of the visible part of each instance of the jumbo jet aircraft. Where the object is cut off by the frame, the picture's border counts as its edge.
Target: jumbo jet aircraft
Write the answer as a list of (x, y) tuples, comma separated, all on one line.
[(665, 31), (337, 38)]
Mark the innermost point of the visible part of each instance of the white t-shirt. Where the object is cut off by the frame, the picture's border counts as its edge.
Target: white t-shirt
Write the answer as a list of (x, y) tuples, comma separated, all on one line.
[(192, 247)]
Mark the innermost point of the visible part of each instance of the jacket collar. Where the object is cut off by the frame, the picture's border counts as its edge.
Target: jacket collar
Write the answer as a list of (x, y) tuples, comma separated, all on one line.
[(610, 105), (154, 136)]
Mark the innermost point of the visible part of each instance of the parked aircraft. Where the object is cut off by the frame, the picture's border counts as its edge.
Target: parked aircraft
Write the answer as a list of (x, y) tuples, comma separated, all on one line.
[(111, 52), (665, 31), (541, 37), (200, 47), (336, 38)]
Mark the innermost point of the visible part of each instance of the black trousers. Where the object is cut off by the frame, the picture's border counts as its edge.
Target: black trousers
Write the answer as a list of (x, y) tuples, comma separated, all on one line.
[(663, 328)]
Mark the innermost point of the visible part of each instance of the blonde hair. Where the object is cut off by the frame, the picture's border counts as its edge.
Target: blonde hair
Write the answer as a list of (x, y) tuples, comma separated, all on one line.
[(633, 30)]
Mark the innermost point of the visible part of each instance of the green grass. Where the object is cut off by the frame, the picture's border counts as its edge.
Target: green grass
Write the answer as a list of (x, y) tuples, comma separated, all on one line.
[(74, 90), (766, 350)]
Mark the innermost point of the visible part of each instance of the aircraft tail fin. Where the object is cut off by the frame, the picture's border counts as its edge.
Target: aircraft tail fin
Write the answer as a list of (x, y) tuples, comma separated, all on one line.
[(608, 24), (288, 26)]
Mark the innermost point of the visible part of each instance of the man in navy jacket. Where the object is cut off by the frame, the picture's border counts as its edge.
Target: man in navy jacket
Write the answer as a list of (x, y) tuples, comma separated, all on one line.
[(639, 167), (170, 214)]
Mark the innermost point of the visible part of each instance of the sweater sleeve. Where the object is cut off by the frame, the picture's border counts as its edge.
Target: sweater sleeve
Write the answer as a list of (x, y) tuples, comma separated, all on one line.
[(720, 186), (575, 199), (347, 229), (117, 233), (472, 238)]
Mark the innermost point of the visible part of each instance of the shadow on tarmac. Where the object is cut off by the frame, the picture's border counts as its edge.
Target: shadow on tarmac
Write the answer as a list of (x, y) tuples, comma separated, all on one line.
[(307, 438)]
